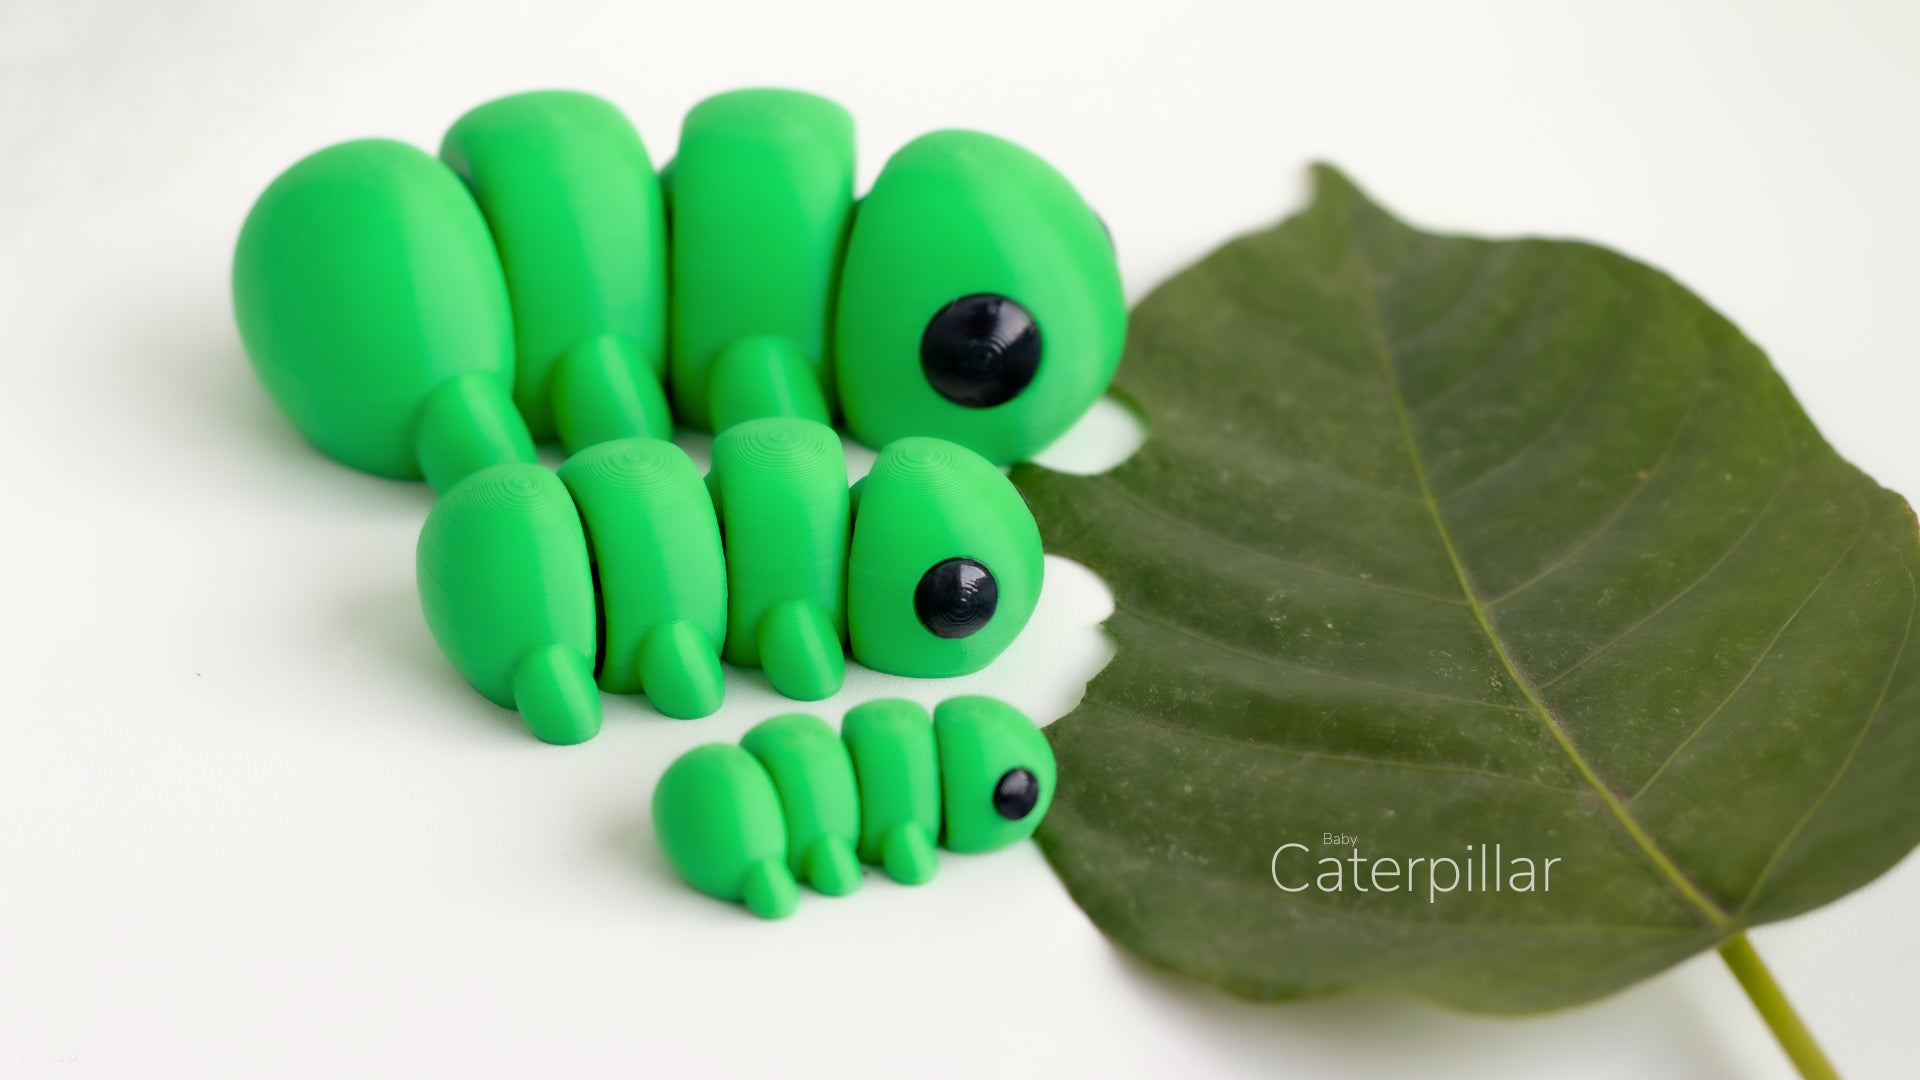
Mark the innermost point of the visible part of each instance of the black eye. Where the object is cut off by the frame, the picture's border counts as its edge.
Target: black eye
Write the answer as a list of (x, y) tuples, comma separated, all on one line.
[(956, 598), (1015, 794), (980, 350)]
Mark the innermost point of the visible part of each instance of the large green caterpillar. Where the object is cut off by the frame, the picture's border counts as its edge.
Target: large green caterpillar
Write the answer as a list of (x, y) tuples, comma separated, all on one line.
[(625, 572), (420, 316), (794, 803)]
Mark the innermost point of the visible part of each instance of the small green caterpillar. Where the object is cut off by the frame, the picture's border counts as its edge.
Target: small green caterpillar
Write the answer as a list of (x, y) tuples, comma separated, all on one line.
[(626, 570), (794, 803)]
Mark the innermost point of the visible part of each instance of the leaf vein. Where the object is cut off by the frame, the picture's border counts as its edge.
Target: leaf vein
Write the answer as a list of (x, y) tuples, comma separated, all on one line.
[(1739, 541), (1306, 669), (1588, 381), (1223, 540), (1495, 360), (1755, 666), (1490, 269), (1853, 751), (1344, 759), (1336, 478), (1666, 455)]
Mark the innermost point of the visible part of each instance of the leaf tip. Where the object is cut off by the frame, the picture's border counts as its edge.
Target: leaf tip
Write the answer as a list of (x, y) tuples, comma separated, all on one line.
[(1326, 174), (1333, 186)]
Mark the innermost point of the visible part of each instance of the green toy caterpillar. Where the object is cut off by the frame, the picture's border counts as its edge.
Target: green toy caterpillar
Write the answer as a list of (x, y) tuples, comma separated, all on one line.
[(626, 573), (793, 803), (420, 317)]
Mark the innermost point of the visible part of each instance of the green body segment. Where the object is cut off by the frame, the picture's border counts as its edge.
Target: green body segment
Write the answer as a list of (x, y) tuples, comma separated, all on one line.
[(508, 594), (761, 193), (576, 214), (981, 740), (897, 762), (718, 818), (655, 545), (372, 306), (926, 501), (780, 487), (958, 214), (818, 795)]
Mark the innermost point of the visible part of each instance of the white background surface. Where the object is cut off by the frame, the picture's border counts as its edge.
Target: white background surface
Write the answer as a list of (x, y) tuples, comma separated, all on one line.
[(251, 823)]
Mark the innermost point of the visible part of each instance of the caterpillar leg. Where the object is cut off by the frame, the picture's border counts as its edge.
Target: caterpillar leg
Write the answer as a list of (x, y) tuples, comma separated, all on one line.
[(769, 890), (831, 868), (680, 670), (907, 854), (801, 651), (602, 389), (765, 376), (554, 690), (466, 424)]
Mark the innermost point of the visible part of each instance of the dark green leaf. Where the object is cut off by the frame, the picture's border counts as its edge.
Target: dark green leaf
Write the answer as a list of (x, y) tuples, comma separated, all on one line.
[(1439, 541)]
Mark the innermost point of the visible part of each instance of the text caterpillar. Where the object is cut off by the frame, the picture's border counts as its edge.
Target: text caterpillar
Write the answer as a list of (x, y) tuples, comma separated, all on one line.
[(794, 803), (626, 573), (418, 316)]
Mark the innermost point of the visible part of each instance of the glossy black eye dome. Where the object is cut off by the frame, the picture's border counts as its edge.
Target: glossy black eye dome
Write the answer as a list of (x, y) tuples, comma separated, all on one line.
[(956, 598), (980, 350), (1016, 793)]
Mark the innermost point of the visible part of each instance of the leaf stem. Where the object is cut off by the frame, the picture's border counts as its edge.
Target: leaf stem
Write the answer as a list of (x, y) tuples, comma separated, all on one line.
[(1775, 1009)]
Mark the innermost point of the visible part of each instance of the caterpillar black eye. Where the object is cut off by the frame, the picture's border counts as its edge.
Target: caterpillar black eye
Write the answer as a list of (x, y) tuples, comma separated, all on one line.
[(1016, 793), (956, 598), (980, 351)]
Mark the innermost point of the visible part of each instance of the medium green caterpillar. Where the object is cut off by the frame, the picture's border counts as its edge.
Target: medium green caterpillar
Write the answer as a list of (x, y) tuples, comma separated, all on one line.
[(626, 572), (794, 803)]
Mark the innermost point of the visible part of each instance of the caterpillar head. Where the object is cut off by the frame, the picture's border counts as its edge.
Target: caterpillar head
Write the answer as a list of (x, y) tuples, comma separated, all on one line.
[(979, 302), (945, 564), (996, 773)]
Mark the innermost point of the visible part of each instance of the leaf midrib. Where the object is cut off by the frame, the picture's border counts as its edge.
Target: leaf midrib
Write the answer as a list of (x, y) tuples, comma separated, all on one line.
[(1710, 912)]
